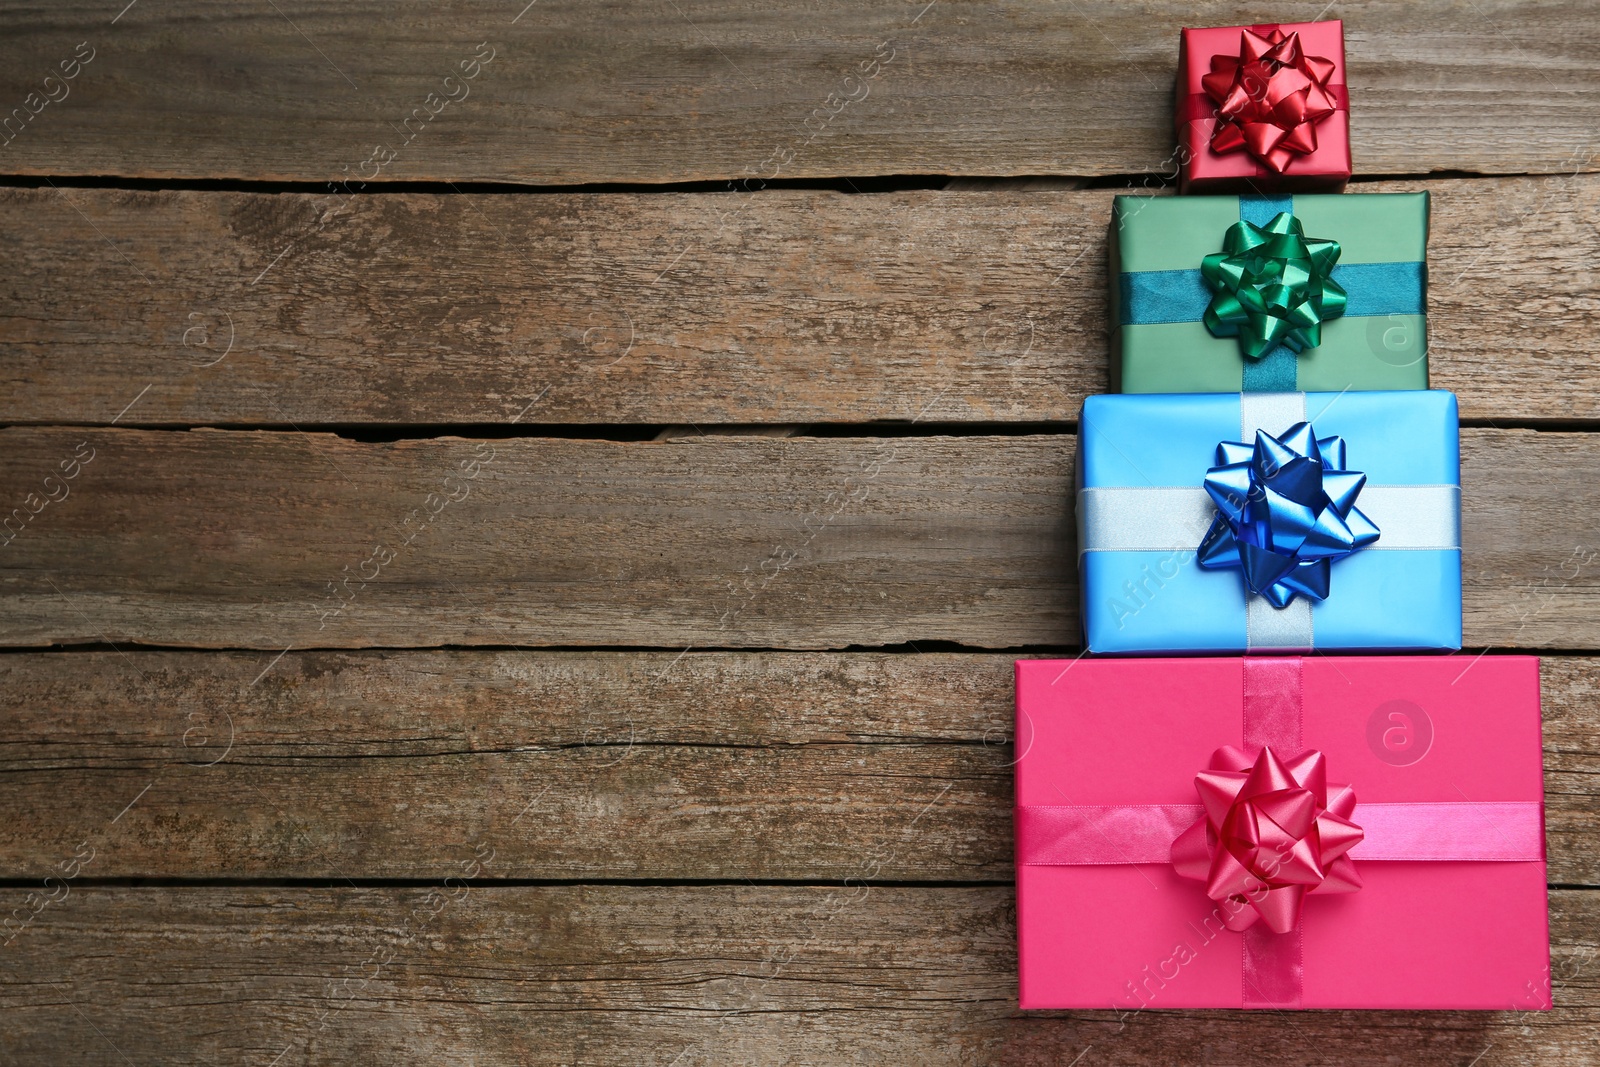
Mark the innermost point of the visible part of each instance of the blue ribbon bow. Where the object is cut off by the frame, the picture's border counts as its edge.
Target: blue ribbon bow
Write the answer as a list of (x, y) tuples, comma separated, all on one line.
[(1286, 512)]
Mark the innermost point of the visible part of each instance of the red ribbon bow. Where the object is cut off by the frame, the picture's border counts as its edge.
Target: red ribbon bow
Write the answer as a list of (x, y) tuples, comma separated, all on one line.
[(1272, 832), (1269, 98)]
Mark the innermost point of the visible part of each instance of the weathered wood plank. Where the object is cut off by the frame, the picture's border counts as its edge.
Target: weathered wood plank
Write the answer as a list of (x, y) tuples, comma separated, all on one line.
[(574, 765), (683, 975), (263, 540), (790, 307), (720, 89)]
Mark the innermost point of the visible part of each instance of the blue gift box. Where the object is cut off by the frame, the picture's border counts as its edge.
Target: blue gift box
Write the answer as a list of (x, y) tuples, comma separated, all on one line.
[(1143, 511)]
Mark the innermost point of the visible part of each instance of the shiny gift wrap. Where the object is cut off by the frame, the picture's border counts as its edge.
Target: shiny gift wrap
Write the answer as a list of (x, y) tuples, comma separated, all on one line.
[(1272, 286), (1270, 832), (1156, 576), (1286, 512), (1263, 109), (1271, 97), (1226, 294), (1167, 857)]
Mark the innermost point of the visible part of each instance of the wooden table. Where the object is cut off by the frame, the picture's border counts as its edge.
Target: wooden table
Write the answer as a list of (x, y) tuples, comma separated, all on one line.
[(521, 517)]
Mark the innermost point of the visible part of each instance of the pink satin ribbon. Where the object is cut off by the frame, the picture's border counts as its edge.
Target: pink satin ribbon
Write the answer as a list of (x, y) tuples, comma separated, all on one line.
[(1272, 966), (1063, 835)]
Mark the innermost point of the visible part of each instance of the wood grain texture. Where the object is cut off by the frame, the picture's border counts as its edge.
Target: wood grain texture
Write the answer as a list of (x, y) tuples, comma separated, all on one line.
[(822, 775), (262, 540), (781, 307), (572, 765), (685, 975), (721, 89)]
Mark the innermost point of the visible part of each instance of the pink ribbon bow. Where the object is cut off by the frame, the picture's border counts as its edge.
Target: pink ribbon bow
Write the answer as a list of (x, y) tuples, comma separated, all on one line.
[(1272, 832)]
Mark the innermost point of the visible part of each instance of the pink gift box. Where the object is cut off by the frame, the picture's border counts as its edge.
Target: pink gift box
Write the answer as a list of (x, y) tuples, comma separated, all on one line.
[(1443, 756), (1202, 170)]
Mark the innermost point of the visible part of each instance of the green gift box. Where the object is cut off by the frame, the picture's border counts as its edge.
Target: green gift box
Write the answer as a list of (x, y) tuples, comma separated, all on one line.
[(1228, 294)]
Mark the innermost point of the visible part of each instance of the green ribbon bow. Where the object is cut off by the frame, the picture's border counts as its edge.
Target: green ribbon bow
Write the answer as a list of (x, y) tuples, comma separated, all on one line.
[(1272, 286)]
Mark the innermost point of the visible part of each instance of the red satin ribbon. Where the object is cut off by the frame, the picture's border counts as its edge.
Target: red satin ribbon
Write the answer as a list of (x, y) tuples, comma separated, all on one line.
[(1272, 966), (1198, 106)]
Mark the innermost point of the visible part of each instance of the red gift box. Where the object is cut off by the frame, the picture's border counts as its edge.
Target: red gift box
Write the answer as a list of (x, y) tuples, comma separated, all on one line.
[(1263, 109)]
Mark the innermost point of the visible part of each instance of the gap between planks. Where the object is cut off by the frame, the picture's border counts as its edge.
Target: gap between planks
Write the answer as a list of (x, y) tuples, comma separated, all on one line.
[(279, 540), (674, 309), (570, 767)]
